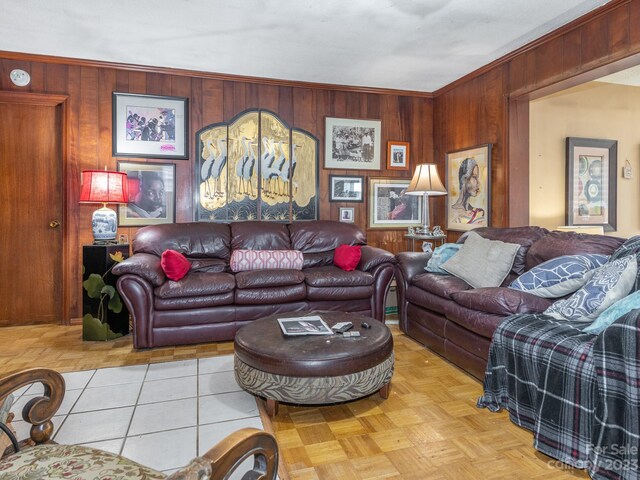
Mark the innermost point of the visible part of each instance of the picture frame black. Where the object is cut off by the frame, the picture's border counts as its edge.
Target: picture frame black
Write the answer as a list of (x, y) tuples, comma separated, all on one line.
[(137, 213), (346, 188), (150, 126), (592, 184)]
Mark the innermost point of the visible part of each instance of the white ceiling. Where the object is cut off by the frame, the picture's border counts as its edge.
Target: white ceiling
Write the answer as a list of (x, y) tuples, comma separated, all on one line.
[(400, 44)]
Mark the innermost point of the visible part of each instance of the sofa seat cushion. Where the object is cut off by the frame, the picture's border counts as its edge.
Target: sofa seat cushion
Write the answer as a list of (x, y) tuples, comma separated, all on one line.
[(331, 276), (189, 303), (481, 323), (356, 292), (209, 265), (270, 295), (268, 278), (197, 284), (441, 285), (501, 301), (426, 299)]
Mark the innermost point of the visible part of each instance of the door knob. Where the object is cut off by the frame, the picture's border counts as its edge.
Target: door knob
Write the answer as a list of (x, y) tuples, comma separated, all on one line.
[(54, 224)]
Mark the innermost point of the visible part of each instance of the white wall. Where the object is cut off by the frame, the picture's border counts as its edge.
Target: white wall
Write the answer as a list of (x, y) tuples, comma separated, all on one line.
[(594, 110)]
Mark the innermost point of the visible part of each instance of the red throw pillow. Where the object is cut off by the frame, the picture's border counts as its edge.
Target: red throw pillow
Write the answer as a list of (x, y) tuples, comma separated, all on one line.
[(347, 257), (174, 264)]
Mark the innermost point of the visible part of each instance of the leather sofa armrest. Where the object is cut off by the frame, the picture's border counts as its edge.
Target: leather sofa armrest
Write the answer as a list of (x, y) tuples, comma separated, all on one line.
[(373, 256), (409, 264), (144, 265), (412, 263)]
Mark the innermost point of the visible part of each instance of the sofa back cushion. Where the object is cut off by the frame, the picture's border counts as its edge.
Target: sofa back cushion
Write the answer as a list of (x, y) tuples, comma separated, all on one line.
[(257, 235), (523, 236), (318, 239), (193, 240), (555, 244)]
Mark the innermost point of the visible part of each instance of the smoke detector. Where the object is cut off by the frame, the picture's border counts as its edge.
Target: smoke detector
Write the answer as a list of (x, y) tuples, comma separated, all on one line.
[(20, 77)]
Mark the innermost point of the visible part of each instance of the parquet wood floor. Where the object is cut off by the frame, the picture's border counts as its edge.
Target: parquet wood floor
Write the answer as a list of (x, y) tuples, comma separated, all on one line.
[(428, 428)]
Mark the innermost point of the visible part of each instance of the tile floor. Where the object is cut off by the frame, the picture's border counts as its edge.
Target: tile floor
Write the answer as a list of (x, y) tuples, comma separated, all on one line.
[(160, 415)]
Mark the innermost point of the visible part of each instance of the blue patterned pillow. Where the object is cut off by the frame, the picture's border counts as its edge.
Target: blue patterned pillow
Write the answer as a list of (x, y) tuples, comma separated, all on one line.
[(630, 247), (608, 284), (559, 276), (614, 312), (440, 255)]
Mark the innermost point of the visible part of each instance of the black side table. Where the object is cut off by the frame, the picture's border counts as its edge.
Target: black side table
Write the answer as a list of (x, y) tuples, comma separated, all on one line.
[(96, 259)]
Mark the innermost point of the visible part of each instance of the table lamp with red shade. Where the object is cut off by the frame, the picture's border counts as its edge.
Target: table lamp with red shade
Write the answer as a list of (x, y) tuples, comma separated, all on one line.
[(102, 186)]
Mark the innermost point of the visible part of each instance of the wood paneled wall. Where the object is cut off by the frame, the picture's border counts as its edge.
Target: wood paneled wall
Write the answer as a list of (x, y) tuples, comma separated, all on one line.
[(89, 85), (491, 104)]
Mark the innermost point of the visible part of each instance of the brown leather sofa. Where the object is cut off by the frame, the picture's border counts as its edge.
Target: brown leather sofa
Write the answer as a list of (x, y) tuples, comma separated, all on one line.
[(211, 303), (457, 321)]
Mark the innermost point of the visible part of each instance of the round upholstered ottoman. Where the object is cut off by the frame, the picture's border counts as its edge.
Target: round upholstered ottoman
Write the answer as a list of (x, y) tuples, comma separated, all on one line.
[(313, 369)]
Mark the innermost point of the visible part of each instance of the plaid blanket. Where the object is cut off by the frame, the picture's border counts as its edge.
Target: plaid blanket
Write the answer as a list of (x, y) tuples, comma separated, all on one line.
[(578, 393)]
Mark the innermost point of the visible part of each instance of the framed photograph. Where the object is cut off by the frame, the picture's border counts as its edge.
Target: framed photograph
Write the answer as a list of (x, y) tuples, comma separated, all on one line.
[(390, 207), (149, 126), (352, 144), (592, 167), (397, 155), (346, 188), (152, 194), (347, 215), (469, 186)]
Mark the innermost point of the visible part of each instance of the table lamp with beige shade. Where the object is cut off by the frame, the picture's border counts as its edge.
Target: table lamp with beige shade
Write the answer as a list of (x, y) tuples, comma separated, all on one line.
[(426, 182)]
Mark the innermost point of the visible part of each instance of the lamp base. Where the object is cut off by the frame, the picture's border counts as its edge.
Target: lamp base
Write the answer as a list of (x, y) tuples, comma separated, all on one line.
[(104, 224)]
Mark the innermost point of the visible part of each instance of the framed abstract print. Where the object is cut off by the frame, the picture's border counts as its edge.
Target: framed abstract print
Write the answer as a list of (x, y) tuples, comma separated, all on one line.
[(390, 207), (592, 182)]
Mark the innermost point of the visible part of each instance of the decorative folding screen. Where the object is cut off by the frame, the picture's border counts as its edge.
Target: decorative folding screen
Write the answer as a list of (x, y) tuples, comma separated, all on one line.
[(256, 167)]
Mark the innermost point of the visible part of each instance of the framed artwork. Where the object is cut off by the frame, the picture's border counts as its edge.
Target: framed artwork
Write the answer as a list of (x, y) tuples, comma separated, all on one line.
[(346, 188), (347, 215), (390, 207), (255, 167), (352, 144), (592, 166), (397, 155), (149, 126), (469, 186), (152, 194)]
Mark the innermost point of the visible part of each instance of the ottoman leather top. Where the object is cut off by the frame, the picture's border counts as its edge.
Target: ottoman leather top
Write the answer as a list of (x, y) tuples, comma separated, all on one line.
[(262, 345)]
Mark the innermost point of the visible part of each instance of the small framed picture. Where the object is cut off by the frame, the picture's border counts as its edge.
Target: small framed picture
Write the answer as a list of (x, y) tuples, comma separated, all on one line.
[(347, 215), (149, 126), (346, 188), (152, 194), (397, 155)]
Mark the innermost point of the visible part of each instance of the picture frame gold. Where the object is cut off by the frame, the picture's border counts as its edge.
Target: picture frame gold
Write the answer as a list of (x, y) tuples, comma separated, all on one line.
[(397, 155)]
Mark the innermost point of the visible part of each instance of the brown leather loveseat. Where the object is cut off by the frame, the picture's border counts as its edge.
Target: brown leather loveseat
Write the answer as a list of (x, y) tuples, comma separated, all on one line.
[(211, 303), (457, 321)]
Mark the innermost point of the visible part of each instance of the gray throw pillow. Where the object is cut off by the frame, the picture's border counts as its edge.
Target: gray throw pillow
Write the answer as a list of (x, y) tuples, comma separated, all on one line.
[(481, 262)]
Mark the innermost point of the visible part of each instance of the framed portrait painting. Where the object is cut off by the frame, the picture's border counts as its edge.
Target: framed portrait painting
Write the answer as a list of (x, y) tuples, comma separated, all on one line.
[(352, 144), (390, 207), (397, 155), (149, 126), (592, 182), (469, 186), (152, 197), (346, 188)]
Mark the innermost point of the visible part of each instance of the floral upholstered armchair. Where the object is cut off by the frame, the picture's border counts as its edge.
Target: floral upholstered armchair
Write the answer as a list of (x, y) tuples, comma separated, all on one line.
[(39, 458)]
